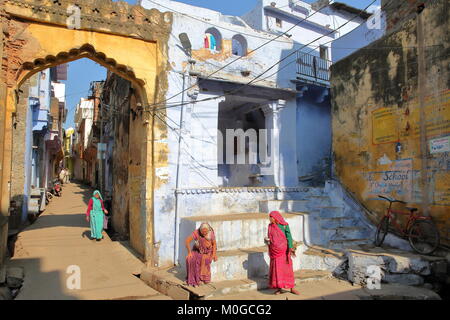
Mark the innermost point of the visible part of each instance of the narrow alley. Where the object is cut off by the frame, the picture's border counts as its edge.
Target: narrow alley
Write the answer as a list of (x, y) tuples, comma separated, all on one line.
[(255, 150), (61, 238)]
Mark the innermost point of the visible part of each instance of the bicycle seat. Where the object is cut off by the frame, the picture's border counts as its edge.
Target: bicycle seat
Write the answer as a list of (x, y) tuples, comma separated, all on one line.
[(412, 209)]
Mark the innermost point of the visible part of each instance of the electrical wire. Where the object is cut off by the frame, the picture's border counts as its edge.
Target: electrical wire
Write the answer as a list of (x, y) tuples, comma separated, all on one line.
[(261, 74), (238, 58)]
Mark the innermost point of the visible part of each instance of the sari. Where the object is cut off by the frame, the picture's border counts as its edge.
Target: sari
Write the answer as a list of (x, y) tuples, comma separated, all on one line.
[(198, 265), (96, 216), (281, 270)]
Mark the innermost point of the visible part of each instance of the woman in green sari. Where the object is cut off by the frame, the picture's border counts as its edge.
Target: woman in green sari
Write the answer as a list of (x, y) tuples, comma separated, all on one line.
[(94, 215)]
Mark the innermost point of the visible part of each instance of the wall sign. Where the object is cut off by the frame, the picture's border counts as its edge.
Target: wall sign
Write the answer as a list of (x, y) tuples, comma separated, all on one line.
[(384, 126), (395, 180), (440, 145)]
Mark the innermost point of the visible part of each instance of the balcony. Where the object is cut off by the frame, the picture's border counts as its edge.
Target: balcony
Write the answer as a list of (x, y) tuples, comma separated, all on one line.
[(313, 69)]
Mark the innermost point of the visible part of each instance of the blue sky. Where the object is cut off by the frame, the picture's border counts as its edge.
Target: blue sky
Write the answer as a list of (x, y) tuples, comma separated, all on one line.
[(82, 72)]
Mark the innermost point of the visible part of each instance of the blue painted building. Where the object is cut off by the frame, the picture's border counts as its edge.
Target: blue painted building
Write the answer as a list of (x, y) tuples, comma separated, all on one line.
[(37, 140)]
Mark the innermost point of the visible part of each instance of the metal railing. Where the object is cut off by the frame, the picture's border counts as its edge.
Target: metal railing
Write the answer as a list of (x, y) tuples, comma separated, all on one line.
[(313, 66)]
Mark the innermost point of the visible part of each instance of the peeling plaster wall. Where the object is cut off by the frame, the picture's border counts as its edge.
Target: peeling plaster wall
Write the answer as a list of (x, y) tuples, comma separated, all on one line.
[(200, 120), (384, 142), (116, 92), (126, 39), (208, 62), (18, 166)]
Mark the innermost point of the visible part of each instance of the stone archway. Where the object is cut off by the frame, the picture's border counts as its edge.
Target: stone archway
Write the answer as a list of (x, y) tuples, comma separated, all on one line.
[(128, 40)]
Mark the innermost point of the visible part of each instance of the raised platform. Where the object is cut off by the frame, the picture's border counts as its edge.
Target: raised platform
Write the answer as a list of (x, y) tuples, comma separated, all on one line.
[(171, 282), (238, 231)]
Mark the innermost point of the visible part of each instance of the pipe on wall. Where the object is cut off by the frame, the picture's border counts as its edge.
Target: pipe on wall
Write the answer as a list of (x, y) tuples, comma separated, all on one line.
[(178, 181)]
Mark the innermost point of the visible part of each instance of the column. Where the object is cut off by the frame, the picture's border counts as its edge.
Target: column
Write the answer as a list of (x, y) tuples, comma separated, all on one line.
[(273, 123)]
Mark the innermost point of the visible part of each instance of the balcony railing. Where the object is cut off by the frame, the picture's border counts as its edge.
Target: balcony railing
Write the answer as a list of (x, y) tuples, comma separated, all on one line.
[(313, 67)]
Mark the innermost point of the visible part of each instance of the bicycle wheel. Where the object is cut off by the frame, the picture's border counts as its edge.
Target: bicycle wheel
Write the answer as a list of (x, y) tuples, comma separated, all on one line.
[(382, 231), (424, 236)]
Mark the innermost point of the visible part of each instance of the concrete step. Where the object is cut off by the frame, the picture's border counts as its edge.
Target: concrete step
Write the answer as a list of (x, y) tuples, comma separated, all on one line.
[(331, 212), (239, 231), (283, 205), (348, 243), (243, 264)]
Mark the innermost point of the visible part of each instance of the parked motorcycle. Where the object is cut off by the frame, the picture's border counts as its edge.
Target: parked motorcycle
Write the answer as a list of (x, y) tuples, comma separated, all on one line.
[(57, 188), (48, 197)]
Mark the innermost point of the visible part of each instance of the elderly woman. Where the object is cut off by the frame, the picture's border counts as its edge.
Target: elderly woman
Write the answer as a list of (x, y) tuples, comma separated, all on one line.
[(204, 251), (94, 215), (280, 250)]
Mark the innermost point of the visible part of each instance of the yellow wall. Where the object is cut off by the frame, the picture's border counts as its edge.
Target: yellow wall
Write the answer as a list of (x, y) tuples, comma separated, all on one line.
[(128, 40), (382, 133)]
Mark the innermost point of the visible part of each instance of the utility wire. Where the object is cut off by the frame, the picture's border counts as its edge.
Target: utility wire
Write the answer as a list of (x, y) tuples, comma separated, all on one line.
[(270, 68), (238, 58)]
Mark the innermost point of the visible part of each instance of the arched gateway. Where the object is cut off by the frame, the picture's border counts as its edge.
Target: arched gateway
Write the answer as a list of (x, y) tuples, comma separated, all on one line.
[(128, 40)]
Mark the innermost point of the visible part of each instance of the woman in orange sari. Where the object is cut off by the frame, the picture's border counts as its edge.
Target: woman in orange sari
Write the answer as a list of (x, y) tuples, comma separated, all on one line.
[(204, 251), (281, 273)]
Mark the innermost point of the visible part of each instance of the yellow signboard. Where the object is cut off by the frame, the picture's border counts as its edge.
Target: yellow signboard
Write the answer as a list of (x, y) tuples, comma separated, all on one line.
[(384, 126)]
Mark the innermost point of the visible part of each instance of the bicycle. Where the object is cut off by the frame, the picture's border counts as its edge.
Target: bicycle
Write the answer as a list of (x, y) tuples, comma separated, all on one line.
[(421, 231)]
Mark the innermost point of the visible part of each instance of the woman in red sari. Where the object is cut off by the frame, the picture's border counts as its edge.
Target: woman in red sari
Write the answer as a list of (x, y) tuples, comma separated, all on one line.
[(198, 260), (280, 250)]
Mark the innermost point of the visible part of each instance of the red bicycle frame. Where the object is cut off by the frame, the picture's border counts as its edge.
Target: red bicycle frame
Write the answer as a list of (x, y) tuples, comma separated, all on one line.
[(390, 213)]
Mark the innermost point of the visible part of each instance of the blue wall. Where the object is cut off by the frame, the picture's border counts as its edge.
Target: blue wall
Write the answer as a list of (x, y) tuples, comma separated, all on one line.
[(314, 134), (357, 39)]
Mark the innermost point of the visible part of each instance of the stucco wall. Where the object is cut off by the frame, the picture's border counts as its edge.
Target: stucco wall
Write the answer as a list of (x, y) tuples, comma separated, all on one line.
[(391, 117), (118, 91), (18, 173), (314, 136)]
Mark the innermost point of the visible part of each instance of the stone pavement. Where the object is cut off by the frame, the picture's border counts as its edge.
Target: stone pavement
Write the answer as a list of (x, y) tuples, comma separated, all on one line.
[(59, 239), (334, 289)]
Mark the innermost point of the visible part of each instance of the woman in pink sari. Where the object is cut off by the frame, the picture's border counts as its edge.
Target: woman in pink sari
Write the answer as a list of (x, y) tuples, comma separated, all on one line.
[(280, 250), (204, 251)]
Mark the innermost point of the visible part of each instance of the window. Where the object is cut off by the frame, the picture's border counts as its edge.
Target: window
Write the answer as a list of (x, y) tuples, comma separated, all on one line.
[(278, 22), (324, 53), (239, 46), (213, 39)]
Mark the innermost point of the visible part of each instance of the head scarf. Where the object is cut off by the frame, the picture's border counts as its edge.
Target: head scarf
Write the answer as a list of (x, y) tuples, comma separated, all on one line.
[(97, 192), (211, 230), (277, 216), (97, 203)]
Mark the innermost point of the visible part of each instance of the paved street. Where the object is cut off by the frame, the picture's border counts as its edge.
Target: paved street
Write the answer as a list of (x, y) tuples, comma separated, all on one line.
[(329, 289), (59, 239)]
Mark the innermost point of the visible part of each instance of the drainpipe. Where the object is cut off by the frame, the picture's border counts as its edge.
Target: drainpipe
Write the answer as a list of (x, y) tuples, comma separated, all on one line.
[(178, 181)]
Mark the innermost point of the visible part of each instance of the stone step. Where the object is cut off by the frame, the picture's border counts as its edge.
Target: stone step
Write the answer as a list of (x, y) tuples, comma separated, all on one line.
[(348, 243), (331, 212), (345, 233), (319, 258), (283, 205), (243, 264), (229, 287), (396, 266), (319, 200), (336, 222), (238, 231), (171, 282)]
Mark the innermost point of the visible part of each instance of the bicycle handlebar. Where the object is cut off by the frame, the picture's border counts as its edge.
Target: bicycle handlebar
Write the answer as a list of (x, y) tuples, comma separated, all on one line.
[(392, 201)]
